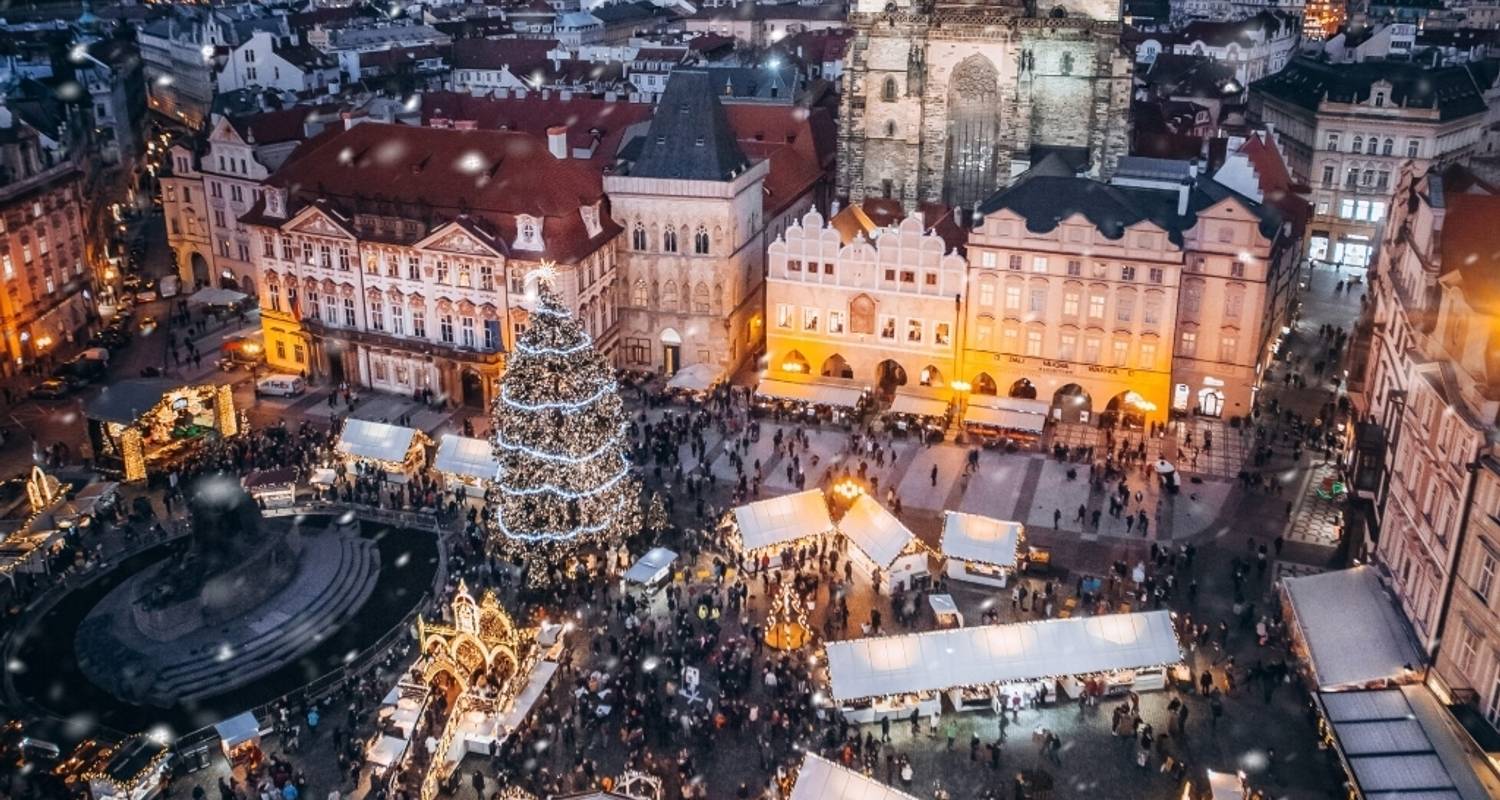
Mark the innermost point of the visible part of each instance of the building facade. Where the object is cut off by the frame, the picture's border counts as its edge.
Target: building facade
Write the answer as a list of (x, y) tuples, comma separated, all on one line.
[(1350, 128), (946, 102), (398, 257)]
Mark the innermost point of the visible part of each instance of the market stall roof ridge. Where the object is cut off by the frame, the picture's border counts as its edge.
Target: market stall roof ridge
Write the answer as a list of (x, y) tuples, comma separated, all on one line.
[(377, 441), (215, 296), (821, 779), (904, 403), (992, 654), (875, 530), (467, 456), (782, 520), (974, 537), (1353, 631), (806, 392), (696, 377), (1011, 413)]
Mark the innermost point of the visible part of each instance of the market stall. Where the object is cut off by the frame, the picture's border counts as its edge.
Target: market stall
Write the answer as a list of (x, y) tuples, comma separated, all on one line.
[(893, 675), (239, 737), (652, 569), (808, 401), (466, 462), (980, 549), (880, 545), (100, 498), (153, 425), (215, 297), (272, 488), (134, 772), (396, 450), (944, 611), (767, 526), (821, 779), (913, 413), (1400, 742), (1347, 630), (1006, 421), (694, 381)]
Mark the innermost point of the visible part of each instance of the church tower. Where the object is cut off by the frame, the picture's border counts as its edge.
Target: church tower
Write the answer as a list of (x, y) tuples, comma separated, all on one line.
[(945, 100)]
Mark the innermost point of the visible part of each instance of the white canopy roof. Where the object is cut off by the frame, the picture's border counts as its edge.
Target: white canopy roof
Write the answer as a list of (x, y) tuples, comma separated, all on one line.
[(387, 751), (921, 406), (1401, 743), (773, 522), (973, 537), (939, 660), (1353, 632), (875, 530), (362, 438), (214, 296), (238, 729), (821, 779), (818, 393), (469, 457), (696, 377), (1012, 413)]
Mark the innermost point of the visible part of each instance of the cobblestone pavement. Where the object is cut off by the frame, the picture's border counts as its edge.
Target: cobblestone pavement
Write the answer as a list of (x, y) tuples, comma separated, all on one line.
[(1319, 520)]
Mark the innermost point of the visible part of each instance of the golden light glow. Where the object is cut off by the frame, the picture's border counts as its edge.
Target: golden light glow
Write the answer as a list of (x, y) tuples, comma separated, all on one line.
[(960, 386), (791, 366), (848, 489)]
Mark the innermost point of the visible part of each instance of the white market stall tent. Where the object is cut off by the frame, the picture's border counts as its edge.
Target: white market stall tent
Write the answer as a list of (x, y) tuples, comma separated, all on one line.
[(882, 542), (1348, 630), (1016, 419), (980, 549), (780, 521), (397, 449), (821, 779), (467, 462), (695, 378), (814, 393), (1133, 649)]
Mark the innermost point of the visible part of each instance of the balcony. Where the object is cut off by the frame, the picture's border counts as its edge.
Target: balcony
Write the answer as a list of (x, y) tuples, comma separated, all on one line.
[(405, 344)]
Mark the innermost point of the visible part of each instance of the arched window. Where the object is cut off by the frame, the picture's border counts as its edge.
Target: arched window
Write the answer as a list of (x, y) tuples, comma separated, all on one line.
[(1370, 147), (638, 293), (669, 241), (1359, 144), (638, 237), (1387, 146), (700, 298), (669, 295), (718, 298), (700, 241), (888, 92), (862, 315)]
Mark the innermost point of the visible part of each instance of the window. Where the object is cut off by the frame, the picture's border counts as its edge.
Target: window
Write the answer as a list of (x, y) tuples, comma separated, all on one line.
[(941, 333), (669, 241), (1359, 144), (466, 332), (1226, 234), (988, 259), (273, 294), (1228, 347), (810, 319), (1014, 262), (219, 220), (1234, 303), (243, 250), (1075, 267), (987, 294), (1321, 209), (350, 319), (398, 319), (1351, 178), (1387, 146), (1346, 209), (1038, 300), (888, 90), (700, 241), (888, 328), (1148, 355), (1362, 210), (1237, 269), (1038, 263), (1155, 275), (1120, 353), (1328, 174), (835, 322), (286, 249), (486, 277), (1382, 179), (1127, 273), (1033, 343), (419, 323), (281, 350), (445, 328), (313, 305), (1067, 346), (1066, 66), (376, 310), (928, 278), (1013, 298), (638, 293), (638, 237), (1371, 146), (8, 266), (325, 256), (1377, 210), (1412, 146), (908, 276), (1189, 346), (1484, 581), (914, 331), (236, 194), (1070, 304), (491, 335), (794, 265), (1091, 349), (465, 276), (1192, 297), (1125, 306), (1333, 142), (783, 316), (1468, 647), (1096, 306), (442, 270), (298, 354)]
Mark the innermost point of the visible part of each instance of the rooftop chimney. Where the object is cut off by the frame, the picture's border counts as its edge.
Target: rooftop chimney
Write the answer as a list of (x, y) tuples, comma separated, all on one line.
[(557, 141)]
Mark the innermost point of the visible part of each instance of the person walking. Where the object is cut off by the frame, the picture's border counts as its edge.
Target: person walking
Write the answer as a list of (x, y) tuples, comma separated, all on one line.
[(934, 475), (478, 782)]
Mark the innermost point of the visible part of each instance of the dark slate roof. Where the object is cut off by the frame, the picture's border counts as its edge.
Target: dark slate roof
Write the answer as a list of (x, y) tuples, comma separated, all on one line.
[(125, 401), (1456, 91), (690, 135)]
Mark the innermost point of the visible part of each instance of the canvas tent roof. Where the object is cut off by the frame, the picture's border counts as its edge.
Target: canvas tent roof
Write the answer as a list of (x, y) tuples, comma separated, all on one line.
[(463, 455), (817, 393), (214, 296), (695, 377), (920, 406), (973, 537), (649, 565), (821, 779), (1400, 744), (1353, 632), (1008, 412), (237, 729), (773, 522), (939, 660), (379, 441), (875, 530)]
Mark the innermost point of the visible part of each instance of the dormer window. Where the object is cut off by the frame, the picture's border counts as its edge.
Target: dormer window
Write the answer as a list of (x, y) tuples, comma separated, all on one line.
[(590, 216), (528, 233), (1379, 99)]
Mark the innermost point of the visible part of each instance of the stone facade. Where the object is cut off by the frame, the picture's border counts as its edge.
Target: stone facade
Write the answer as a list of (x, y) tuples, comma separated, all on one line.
[(945, 104)]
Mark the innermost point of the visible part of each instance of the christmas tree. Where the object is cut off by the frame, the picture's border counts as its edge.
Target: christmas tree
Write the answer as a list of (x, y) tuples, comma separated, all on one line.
[(657, 520), (559, 435)]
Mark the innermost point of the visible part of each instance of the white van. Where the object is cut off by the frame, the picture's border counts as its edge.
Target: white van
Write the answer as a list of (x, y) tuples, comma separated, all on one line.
[(280, 386), (169, 286)]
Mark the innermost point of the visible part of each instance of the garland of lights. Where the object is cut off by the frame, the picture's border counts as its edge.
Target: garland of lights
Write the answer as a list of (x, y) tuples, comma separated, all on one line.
[(560, 436)]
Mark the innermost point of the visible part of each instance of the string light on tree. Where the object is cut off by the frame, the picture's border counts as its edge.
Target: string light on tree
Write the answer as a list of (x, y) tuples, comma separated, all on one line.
[(787, 628), (559, 435)]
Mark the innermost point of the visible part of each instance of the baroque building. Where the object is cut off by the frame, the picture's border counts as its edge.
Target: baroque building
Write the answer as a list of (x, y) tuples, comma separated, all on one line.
[(947, 101)]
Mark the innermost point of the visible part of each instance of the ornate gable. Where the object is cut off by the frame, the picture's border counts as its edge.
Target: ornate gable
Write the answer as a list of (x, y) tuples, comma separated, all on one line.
[(454, 238), (318, 222)]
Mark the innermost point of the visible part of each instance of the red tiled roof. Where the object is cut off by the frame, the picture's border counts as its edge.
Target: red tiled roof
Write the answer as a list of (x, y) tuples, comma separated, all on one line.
[(397, 56), (534, 115), (799, 142), (490, 176), (1277, 186), (286, 125)]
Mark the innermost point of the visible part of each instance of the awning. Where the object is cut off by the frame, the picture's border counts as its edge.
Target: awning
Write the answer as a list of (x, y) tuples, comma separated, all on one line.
[(972, 537), (920, 406), (875, 531), (1401, 743), (238, 729), (1353, 632), (773, 522), (696, 378), (214, 296), (940, 660), (263, 478), (1009, 413), (649, 568), (816, 393), (821, 779), (377, 441), (466, 456), (386, 752)]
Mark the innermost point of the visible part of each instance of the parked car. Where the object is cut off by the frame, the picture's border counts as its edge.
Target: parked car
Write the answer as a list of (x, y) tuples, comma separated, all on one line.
[(51, 389)]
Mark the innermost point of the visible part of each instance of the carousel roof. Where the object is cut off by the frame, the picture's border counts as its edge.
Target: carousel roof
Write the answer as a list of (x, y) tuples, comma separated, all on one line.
[(125, 401)]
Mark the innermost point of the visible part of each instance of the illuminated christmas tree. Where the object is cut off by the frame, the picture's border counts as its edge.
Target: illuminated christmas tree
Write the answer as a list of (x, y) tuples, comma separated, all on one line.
[(559, 434), (657, 520)]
